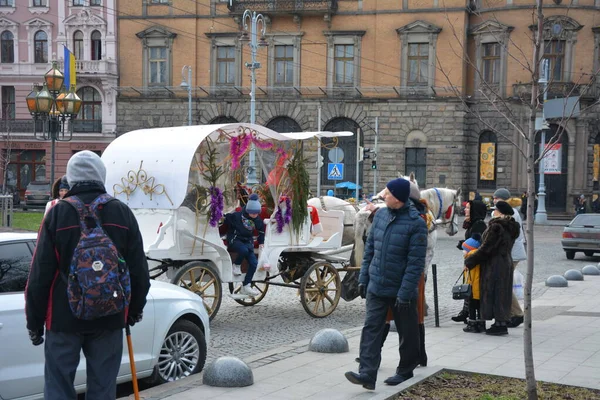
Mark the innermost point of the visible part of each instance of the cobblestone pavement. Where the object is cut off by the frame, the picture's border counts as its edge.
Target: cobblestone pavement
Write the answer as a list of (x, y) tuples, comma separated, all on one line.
[(279, 319)]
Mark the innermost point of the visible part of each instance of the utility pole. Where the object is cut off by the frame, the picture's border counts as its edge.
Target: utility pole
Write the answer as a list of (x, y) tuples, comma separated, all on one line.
[(375, 155), (319, 164), (187, 84)]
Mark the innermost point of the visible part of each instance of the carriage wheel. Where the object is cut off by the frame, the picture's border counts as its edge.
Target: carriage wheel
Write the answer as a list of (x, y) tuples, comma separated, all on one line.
[(201, 278), (320, 289), (262, 288)]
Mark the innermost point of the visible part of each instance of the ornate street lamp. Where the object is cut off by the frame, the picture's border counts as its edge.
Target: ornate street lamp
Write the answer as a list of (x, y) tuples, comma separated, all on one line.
[(54, 108)]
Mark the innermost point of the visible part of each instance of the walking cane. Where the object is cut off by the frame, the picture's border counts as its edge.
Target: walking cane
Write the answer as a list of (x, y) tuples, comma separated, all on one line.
[(136, 391)]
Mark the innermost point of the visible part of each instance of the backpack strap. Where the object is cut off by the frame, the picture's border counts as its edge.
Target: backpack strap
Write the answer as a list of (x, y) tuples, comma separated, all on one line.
[(82, 211), (98, 201)]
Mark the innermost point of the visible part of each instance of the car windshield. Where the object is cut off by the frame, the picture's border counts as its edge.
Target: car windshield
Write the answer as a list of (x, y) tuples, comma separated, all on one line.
[(38, 186), (586, 219)]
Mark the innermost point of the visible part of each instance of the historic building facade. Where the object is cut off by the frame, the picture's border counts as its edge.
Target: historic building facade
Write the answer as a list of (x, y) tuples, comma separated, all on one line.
[(33, 33), (431, 81)]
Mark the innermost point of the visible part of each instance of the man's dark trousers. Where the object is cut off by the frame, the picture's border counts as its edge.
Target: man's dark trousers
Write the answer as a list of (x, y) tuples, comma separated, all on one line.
[(103, 351), (407, 325)]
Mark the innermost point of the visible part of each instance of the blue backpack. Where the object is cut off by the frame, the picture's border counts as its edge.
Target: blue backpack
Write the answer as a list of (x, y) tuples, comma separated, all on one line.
[(98, 284)]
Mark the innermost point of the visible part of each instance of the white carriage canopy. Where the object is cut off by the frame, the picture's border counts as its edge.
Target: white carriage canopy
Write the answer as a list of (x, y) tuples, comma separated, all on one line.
[(159, 168)]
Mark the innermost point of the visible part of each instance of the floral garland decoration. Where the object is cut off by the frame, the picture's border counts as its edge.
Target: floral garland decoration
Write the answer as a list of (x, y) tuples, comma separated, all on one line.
[(282, 219), (238, 146), (216, 206)]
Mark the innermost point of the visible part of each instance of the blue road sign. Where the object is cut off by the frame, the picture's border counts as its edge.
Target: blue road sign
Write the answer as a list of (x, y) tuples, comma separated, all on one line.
[(335, 171)]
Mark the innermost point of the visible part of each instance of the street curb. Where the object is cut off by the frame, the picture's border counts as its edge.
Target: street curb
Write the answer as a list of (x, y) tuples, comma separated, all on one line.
[(430, 371)]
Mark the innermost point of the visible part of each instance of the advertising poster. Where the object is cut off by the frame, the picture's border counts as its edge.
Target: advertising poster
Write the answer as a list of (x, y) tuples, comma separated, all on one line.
[(553, 160), (487, 161)]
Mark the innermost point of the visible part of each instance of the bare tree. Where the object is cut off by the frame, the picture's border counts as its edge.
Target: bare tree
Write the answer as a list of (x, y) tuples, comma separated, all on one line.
[(5, 155), (489, 97)]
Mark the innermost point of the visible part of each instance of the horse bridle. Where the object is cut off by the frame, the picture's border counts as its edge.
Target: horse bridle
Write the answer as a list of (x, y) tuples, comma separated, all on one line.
[(454, 210)]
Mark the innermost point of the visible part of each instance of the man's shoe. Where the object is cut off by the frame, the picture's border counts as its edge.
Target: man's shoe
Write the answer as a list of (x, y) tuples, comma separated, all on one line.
[(496, 330), (359, 379), (472, 327), (515, 321), (247, 290), (357, 359), (237, 269), (461, 317), (398, 379)]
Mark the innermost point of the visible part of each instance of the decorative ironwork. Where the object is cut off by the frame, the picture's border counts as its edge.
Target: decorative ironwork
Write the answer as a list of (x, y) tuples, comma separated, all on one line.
[(283, 6), (556, 90), (140, 179)]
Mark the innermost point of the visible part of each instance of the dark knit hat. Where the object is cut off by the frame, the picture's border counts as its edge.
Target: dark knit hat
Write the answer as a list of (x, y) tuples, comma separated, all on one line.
[(502, 193), (472, 243), (64, 184), (253, 206), (400, 189), (504, 208)]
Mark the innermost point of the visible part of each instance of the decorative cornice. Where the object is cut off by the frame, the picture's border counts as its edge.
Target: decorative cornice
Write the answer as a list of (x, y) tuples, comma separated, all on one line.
[(37, 23), (216, 35), (8, 23), (84, 17), (7, 10), (490, 27), (419, 27), (39, 10), (156, 31), (344, 33)]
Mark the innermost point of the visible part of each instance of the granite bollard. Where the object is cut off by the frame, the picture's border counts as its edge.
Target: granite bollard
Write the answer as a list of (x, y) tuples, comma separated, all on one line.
[(228, 372), (590, 270), (328, 341), (557, 281), (573, 275)]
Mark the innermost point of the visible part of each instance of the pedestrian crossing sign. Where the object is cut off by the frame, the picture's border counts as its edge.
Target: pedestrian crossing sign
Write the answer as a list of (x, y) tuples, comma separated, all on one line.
[(335, 171)]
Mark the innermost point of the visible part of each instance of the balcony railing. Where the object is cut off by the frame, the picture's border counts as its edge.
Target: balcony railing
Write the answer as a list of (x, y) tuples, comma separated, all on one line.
[(556, 90), (87, 126), (93, 67), (284, 6), (25, 126)]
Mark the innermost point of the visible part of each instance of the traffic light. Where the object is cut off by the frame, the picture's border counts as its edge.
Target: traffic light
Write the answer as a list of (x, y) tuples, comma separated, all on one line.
[(374, 164), (363, 153), (320, 162)]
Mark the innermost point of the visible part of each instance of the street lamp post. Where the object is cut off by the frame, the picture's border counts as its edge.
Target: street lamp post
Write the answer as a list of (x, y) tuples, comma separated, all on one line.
[(251, 20), (541, 217), (54, 107), (188, 85)]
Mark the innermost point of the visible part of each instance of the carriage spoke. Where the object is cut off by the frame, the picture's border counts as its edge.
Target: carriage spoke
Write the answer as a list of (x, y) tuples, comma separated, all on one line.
[(325, 295), (330, 280), (316, 308), (307, 290), (207, 285)]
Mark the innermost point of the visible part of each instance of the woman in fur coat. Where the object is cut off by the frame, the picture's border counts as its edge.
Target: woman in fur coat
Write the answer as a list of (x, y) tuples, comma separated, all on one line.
[(494, 257)]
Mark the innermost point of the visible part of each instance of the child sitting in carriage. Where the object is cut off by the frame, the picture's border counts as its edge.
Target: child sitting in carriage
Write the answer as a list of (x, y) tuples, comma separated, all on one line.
[(241, 225)]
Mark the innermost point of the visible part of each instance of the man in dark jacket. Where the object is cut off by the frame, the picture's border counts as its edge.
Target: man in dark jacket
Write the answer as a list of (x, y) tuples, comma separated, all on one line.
[(46, 297), (393, 262)]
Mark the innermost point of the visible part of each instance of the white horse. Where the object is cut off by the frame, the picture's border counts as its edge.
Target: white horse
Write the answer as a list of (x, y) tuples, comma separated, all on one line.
[(328, 203), (443, 208)]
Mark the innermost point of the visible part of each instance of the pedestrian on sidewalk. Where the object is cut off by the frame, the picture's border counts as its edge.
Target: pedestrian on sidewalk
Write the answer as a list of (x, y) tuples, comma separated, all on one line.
[(475, 324), (474, 223), (59, 190), (50, 289), (496, 267), (393, 263), (518, 252), (240, 237)]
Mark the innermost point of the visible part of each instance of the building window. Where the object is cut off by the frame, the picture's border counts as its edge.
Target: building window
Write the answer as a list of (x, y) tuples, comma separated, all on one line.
[(96, 46), (26, 166), (79, 3), (89, 118), (416, 162), (284, 125), (95, 2), (6, 3), (418, 64), (491, 63), (159, 1), (8, 102), (284, 65), (554, 52), (78, 45), (344, 64), (417, 57), (226, 65), (40, 47), (488, 143), (39, 3), (158, 65), (7, 47)]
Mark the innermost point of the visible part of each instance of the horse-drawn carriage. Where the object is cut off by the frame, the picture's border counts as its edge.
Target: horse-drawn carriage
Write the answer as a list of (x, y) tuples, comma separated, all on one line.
[(180, 181)]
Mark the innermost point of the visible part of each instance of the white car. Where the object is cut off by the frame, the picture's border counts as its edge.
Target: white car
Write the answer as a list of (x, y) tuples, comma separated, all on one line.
[(169, 343)]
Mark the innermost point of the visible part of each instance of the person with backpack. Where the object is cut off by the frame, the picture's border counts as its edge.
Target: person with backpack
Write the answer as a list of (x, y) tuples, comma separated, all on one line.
[(88, 278)]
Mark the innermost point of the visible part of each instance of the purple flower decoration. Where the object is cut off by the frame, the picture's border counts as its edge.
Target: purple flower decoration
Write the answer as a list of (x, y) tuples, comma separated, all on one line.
[(280, 218), (216, 206), (288, 210)]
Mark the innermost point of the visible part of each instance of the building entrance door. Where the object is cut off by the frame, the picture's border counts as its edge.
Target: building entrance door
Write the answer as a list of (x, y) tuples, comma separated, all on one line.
[(556, 175)]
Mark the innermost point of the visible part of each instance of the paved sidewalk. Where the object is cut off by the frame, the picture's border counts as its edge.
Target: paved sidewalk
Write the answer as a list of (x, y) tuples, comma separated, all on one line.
[(566, 350)]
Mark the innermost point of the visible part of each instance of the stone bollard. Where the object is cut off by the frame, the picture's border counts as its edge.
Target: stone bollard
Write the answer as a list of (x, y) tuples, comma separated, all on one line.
[(590, 270), (228, 372), (328, 341), (557, 281), (573, 275)]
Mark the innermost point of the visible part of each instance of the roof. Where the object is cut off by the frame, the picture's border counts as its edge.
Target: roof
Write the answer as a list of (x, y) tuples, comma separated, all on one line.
[(14, 236)]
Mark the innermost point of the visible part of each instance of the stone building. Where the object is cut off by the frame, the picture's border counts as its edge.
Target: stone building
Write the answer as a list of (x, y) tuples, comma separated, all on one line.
[(410, 70), (33, 33)]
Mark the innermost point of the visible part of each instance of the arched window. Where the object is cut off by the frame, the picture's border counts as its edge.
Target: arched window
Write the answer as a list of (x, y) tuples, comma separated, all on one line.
[(488, 149), (90, 115), (346, 156), (284, 125), (78, 45), (40, 47), (7, 47), (222, 119), (96, 45)]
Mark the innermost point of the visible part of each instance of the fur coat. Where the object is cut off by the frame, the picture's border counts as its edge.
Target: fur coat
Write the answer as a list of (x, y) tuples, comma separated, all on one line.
[(494, 257)]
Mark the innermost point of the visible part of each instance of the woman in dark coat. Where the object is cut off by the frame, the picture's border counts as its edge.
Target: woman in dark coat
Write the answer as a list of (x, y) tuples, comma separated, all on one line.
[(494, 257), (475, 213)]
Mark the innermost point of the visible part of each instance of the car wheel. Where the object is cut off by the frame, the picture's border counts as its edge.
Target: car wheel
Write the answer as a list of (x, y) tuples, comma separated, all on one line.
[(183, 353), (570, 254), (588, 253), (24, 208)]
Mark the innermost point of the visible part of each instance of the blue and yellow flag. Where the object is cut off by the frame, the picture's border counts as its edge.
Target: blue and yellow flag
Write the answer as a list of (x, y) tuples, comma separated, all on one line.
[(69, 68)]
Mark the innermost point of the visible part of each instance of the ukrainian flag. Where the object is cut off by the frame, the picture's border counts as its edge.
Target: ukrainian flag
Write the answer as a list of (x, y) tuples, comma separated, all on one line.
[(69, 69)]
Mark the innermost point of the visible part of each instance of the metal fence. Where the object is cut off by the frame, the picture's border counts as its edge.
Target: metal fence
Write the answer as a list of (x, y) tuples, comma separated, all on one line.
[(6, 210)]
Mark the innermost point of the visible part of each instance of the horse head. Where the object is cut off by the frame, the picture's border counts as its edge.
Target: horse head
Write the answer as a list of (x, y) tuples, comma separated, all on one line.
[(444, 203)]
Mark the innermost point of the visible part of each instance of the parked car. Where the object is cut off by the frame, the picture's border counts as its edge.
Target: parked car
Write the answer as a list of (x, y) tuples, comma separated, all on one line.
[(582, 235), (37, 194), (172, 316)]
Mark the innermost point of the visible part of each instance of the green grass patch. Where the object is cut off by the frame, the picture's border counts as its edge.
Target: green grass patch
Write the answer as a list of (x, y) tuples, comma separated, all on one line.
[(451, 386), (29, 221)]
